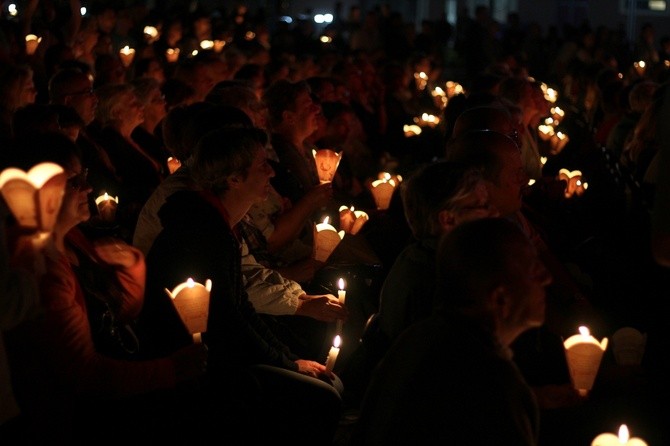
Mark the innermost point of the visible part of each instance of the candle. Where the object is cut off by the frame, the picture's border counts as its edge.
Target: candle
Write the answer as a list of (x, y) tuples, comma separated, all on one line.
[(341, 296), (411, 130), (332, 354), (640, 67), (453, 89), (191, 300), (107, 206), (623, 439), (545, 132), (34, 197), (584, 353), (127, 54), (218, 45), (32, 41), (207, 44), (421, 80), (173, 164), (427, 120), (171, 55), (557, 113), (150, 34), (575, 185), (382, 190), (326, 239), (326, 163), (558, 142), (351, 220)]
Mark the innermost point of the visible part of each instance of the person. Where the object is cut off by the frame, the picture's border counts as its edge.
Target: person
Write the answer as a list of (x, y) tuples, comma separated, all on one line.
[(77, 367), (199, 240), (450, 379), (271, 293), (436, 198), (660, 216)]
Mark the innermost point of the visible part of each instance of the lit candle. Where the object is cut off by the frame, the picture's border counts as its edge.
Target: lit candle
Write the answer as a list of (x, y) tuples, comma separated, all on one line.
[(191, 300), (207, 44), (640, 67), (127, 54), (584, 353), (623, 439), (172, 55), (173, 164), (453, 89), (557, 113), (150, 34), (382, 191), (34, 197), (32, 41), (575, 185), (545, 132), (351, 220), (421, 80), (326, 239), (341, 296), (107, 206), (427, 120), (332, 354), (326, 163), (558, 142), (411, 130), (218, 45)]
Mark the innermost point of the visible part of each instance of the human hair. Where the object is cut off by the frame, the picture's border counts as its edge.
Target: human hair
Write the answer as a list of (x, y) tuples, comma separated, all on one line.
[(493, 117), (173, 125), (281, 96), (11, 79), (143, 86), (473, 260), (110, 110), (223, 153), (48, 146), (34, 118), (432, 188), (232, 92), (481, 149)]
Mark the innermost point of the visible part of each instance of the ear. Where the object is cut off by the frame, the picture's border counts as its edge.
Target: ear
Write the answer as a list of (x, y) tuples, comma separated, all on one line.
[(447, 220)]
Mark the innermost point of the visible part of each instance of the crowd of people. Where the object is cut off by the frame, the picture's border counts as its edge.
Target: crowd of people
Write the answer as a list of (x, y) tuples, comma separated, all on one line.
[(528, 184)]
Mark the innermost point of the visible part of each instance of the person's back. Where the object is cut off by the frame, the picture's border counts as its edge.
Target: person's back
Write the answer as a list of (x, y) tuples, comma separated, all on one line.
[(450, 379)]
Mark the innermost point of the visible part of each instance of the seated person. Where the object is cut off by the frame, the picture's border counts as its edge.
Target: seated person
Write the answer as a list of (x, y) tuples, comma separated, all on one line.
[(436, 198), (450, 379), (199, 239)]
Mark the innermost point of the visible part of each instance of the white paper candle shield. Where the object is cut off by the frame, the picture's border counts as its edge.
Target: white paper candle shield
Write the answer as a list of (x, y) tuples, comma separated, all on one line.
[(558, 142), (382, 191), (107, 205), (623, 439), (584, 354), (191, 300), (628, 346), (326, 239), (32, 42), (351, 220), (172, 55), (34, 197), (127, 54), (326, 163), (332, 354), (575, 184)]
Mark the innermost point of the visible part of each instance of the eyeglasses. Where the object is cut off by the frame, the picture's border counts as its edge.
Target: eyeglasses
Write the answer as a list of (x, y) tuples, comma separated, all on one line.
[(78, 182), (514, 136)]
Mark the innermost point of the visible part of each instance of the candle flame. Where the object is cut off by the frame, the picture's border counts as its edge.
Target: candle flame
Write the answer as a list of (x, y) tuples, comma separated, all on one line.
[(531, 182), (585, 185), (584, 331), (190, 283), (624, 435), (325, 220), (543, 160), (337, 341), (340, 284)]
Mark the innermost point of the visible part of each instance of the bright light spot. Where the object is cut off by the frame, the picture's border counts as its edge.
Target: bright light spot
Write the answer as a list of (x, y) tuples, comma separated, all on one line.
[(657, 5), (286, 19), (12, 9), (328, 18), (319, 18), (325, 39), (83, 10), (249, 35), (584, 331), (194, 53)]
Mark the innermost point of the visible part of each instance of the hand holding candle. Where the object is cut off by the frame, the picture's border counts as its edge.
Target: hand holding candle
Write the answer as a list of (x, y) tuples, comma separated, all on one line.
[(332, 354)]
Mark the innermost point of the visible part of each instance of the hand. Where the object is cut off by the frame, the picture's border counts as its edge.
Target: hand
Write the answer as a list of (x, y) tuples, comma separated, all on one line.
[(320, 195), (555, 396), (190, 362), (116, 252), (324, 308), (310, 368)]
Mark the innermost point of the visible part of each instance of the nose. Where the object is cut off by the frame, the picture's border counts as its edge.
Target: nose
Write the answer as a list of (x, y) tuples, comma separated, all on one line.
[(543, 274)]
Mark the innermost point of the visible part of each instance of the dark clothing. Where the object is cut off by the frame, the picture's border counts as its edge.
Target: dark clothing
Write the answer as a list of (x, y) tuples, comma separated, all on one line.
[(293, 178), (447, 381), (197, 242)]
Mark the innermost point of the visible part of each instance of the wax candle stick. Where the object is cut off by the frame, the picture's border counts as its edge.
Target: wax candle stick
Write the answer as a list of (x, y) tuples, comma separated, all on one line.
[(341, 296), (584, 353), (332, 354)]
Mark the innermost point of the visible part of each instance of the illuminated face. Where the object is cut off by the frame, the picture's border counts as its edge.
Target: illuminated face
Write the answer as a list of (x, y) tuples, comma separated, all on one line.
[(305, 113), (257, 182), (83, 99)]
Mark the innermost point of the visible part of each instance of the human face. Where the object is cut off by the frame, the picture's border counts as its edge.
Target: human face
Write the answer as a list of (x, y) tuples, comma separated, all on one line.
[(305, 113), (28, 92), (155, 106), (505, 192), (83, 99), (257, 181), (75, 207), (130, 111), (474, 206)]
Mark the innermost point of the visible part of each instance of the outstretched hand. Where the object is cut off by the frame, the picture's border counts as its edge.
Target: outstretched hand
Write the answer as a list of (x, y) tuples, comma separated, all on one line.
[(324, 308)]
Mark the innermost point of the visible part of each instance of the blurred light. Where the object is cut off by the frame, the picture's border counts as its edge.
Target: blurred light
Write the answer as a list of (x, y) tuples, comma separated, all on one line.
[(12, 9), (657, 5), (319, 18), (286, 19), (83, 10), (249, 35), (328, 18), (325, 39)]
